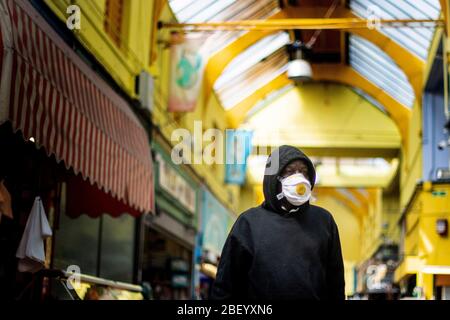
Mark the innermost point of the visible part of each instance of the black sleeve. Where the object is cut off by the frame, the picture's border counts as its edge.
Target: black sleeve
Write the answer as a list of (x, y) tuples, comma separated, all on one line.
[(235, 261), (335, 266)]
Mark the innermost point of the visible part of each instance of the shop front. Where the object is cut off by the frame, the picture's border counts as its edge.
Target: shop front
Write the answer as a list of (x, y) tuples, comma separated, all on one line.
[(426, 242), (170, 233), (425, 268), (74, 155), (217, 221)]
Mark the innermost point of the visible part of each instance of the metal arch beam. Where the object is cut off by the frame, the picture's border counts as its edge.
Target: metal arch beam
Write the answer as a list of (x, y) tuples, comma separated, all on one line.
[(364, 201), (356, 210), (218, 62), (399, 113), (408, 62), (445, 8), (292, 24), (372, 195), (237, 113)]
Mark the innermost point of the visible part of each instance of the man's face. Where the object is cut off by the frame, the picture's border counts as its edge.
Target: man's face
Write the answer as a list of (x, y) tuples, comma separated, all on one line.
[(296, 166)]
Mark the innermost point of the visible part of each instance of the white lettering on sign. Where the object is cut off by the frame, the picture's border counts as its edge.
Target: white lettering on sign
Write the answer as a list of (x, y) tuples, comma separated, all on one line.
[(176, 185)]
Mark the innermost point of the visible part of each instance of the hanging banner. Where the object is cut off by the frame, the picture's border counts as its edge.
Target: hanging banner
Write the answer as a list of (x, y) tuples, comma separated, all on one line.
[(238, 148), (186, 71)]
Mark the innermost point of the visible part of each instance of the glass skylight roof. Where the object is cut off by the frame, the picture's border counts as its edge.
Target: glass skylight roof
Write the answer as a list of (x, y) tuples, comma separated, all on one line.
[(243, 84), (375, 65), (198, 11), (251, 56), (416, 39)]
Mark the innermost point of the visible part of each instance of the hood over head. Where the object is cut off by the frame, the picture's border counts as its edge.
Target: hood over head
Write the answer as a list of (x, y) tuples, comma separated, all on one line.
[(276, 162)]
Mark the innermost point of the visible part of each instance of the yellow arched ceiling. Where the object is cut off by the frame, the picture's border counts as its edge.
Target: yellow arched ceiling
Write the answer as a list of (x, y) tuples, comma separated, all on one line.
[(399, 113), (343, 74), (407, 61), (324, 117)]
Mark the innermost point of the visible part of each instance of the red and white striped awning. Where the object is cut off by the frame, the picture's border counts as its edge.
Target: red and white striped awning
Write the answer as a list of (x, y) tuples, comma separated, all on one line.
[(49, 93)]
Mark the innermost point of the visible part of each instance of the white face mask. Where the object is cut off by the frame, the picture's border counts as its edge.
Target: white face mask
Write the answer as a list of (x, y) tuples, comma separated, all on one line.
[(296, 189)]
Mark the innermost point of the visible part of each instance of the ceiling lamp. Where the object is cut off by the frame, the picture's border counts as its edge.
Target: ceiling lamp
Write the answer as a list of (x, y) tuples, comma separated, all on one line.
[(299, 69)]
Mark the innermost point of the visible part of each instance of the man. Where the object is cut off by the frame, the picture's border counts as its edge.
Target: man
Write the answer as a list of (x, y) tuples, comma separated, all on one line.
[(286, 248)]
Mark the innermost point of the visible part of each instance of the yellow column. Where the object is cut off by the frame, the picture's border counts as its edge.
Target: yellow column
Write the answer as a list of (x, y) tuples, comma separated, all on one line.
[(425, 281)]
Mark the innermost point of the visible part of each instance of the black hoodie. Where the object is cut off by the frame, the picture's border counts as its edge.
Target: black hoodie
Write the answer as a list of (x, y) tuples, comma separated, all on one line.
[(274, 255)]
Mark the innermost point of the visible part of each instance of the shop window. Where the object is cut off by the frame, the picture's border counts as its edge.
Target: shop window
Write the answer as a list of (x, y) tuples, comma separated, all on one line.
[(103, 246), (114, 12), (71, 240), (117, 249), (167, 266)]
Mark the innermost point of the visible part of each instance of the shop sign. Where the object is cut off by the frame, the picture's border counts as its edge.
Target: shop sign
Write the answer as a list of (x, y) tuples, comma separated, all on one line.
[(439, 193), (179, 265), (238, 148), (180, 281), (176, 185)]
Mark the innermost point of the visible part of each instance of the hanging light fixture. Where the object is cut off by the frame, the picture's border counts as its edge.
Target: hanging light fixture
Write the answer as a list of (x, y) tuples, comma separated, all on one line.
[(299, 68)]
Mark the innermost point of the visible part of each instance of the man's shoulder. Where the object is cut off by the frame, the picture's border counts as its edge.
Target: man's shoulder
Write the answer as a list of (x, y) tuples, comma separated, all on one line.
[(251, 214), (321, 212)]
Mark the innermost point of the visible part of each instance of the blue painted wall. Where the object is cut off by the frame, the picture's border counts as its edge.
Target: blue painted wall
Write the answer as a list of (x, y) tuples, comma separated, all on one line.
[(433, 120)]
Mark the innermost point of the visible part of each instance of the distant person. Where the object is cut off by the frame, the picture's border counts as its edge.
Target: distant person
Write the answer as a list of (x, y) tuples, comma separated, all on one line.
[(286, 248)]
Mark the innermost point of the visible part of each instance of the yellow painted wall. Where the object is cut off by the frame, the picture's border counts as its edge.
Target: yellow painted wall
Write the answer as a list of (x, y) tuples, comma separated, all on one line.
[(372, 225), (350, 235), (411, 243), (421, 238), (411, 164), (391, 214), (348, 224), (432, 247), (250, 196), (132, 57)]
